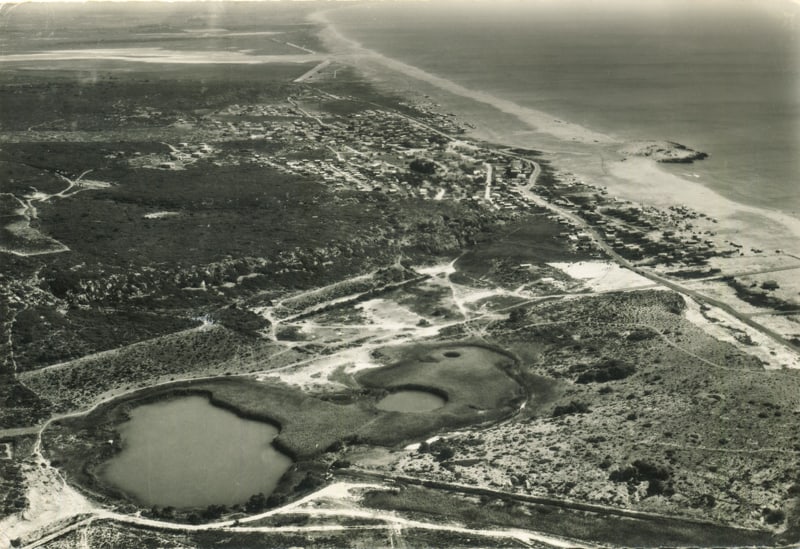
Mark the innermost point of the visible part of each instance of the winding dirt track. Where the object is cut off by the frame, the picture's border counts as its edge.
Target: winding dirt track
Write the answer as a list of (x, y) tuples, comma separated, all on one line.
[(335, 493)]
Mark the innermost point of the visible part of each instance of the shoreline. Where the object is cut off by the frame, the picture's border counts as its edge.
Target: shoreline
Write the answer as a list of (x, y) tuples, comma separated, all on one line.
[(587, 153), (542, 121)]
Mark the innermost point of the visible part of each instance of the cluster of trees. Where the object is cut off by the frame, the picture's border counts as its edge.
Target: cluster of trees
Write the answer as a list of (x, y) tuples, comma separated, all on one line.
[(425, 167), (657, 477), (774, 516), (12, 494), (440, 450), (259, 502), (240, 320), (574, 407), (608, 370), (166, 513), (517, 315), (759, 297)]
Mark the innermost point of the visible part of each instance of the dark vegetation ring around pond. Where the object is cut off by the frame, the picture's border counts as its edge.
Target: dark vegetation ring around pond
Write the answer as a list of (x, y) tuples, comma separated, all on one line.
[(476, 384)]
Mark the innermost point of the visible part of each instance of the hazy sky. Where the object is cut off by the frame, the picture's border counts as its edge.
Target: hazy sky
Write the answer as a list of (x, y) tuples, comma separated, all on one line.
[(787, 10), (615, 3)]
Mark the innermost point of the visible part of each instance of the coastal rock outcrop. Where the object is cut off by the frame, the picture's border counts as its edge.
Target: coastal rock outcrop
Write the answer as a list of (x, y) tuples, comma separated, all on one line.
[(663, 151)]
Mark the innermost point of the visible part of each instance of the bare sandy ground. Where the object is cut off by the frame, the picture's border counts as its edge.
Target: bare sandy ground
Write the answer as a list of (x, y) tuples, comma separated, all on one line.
[(602, 276), (159, 55), (50, 500), (724, 327)]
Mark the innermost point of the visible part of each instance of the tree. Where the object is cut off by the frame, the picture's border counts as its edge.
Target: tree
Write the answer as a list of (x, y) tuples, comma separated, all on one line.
[(608, 370), (441, 450), (445, 453), (770, 285), (308, 483), (213, 512), (574, 407), (657, 477), (420, 165), (516, 315), (256, 503), (774, 516)]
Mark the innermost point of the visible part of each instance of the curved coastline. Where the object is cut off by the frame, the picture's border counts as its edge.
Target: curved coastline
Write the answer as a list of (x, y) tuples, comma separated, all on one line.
[(540, 120)]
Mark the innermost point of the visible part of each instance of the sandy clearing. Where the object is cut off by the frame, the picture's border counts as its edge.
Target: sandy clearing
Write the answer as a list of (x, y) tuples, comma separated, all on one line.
[(386, 323), (394, 318), (468, 300), (159, 215), (439, 270), (754, 263), (603, 276), (718, 289), (316, 374), (158, 55), (786, 325), (50, 500)]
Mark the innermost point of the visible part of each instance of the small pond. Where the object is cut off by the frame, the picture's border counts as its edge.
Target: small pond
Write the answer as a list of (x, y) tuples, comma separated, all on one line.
[(185, 452), (410, 401)]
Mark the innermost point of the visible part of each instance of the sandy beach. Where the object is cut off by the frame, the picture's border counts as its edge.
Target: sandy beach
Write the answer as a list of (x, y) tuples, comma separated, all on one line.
[(542, 121), (642, 180)]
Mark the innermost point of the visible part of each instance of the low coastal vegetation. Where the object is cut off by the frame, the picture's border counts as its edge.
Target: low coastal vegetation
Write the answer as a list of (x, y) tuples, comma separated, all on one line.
[(631, 363), (476, 508)]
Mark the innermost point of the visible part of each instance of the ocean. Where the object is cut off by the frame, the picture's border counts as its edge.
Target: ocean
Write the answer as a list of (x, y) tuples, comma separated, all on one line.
[(720, 76)]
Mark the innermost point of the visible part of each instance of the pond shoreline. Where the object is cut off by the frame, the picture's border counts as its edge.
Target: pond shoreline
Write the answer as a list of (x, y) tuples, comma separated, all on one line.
[(313, 430)]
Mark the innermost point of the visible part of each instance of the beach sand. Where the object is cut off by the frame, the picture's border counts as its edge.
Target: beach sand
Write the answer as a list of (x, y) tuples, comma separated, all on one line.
[(542, 121), (642, 180)]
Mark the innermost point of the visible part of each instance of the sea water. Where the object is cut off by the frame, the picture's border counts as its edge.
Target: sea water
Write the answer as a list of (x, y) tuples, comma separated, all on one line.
[(719, 76)]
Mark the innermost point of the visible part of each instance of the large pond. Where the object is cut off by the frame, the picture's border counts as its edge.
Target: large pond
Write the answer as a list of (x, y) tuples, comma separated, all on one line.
[(410, 401), (185, 452)]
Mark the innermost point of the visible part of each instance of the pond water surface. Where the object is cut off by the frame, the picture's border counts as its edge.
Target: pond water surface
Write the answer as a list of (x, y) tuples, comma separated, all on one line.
[(410, 401), (185, 452)]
